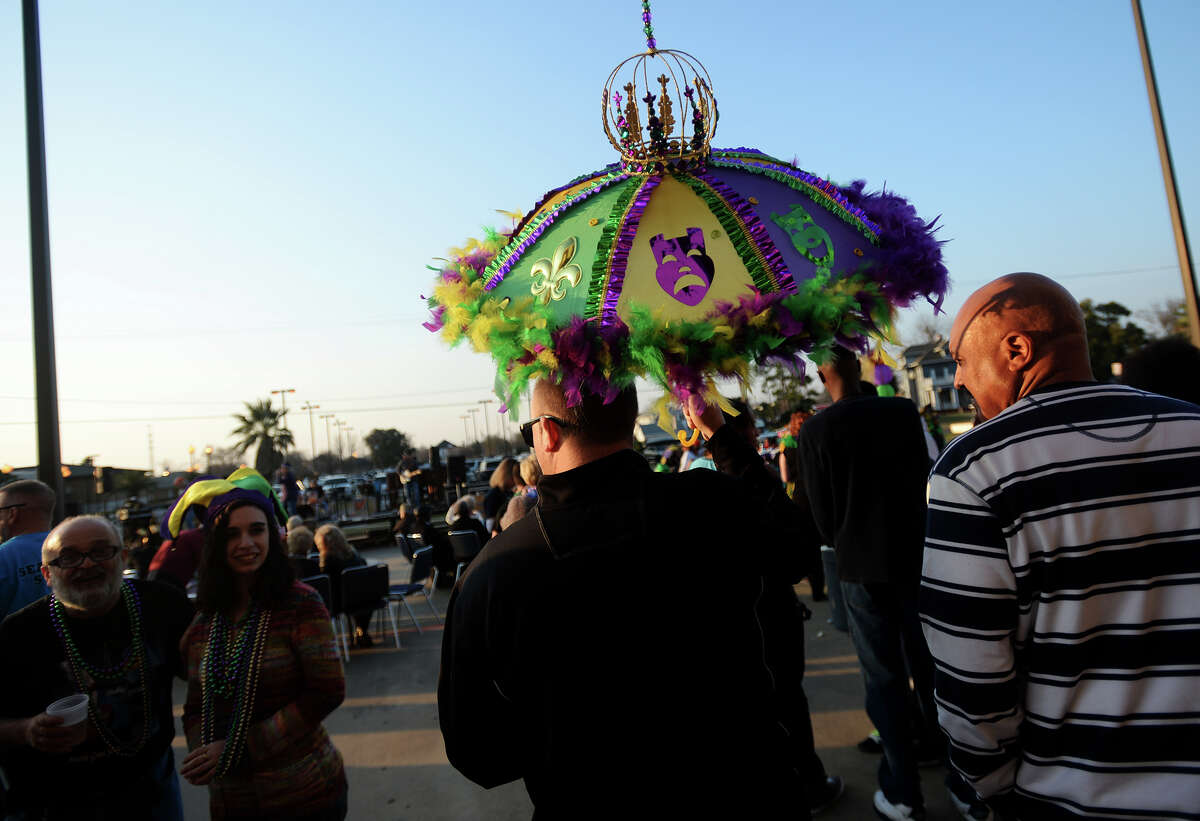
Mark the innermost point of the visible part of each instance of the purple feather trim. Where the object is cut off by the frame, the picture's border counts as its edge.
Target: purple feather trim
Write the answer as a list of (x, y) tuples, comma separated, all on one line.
[(621, 248), (883, 374), (436, 322), (582, 348), (910, 264), (755, 228), (511, 254)]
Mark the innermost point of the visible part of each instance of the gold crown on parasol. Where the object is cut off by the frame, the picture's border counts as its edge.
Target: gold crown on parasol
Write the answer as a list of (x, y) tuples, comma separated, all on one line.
[(680, 117)]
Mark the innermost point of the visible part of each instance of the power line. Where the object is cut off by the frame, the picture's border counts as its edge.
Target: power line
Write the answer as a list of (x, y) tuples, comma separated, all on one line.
[(1120, 272), (239, 401), (230, 416)]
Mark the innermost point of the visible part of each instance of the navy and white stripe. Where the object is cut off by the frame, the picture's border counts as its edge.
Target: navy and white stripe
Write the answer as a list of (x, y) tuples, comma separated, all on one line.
[(1061, 601)]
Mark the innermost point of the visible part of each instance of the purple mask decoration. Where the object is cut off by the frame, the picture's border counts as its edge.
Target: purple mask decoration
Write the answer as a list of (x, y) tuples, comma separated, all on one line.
[(684, 271)]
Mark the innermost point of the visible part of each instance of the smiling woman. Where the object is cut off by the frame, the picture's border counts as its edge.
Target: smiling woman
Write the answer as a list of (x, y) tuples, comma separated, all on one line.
[(262, 672)]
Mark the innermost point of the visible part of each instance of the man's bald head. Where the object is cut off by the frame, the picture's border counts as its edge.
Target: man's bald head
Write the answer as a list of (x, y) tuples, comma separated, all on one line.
[(1016, 333)]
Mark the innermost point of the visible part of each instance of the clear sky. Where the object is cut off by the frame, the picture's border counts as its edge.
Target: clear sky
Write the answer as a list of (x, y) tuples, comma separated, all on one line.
[(244, 196)]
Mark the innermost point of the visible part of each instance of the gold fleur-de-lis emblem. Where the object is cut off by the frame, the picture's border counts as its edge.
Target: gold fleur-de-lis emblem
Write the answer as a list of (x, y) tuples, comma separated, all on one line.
[(552, 277)]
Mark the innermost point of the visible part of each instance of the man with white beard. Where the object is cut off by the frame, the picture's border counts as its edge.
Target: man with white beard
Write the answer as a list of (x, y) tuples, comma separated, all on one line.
[(116, 641)]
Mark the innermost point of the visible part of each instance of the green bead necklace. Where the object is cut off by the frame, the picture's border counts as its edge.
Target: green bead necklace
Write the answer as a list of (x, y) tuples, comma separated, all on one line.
[(134, 656), (229, 668)]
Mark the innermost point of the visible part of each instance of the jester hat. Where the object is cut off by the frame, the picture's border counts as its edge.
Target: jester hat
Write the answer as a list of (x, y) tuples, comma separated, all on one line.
[(682, 263), (244, 484)]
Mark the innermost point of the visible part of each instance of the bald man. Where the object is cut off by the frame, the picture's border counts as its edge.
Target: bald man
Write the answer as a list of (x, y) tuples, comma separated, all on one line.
[(115, 640), (26, 512), (1061, 578)]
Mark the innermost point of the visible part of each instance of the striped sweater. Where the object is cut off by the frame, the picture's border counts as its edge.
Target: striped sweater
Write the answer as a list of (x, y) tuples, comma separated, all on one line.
[(1061, 601)]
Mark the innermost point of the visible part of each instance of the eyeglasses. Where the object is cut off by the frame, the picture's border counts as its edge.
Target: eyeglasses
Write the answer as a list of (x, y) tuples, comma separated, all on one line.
[(10, 507), (69, 558), (527, 428)]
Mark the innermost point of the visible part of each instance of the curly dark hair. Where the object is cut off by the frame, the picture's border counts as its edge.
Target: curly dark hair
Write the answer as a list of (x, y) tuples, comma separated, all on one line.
[(271, 585)]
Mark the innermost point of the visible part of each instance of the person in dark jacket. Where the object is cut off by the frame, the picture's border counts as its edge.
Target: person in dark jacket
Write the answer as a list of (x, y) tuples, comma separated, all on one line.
[(608, 707), (865, 466)]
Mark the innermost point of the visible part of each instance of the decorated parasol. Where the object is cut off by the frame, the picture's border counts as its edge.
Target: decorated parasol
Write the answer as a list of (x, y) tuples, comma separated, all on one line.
[(682, 263)]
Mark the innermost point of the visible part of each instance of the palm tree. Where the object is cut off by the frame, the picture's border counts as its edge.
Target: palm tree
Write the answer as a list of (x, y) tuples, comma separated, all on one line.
[(263, 425)]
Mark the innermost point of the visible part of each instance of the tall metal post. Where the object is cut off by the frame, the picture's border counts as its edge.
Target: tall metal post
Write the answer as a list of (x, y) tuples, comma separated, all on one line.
[(328, 440), (487, 427), (46, 377), (310, 407), (1186, 269)]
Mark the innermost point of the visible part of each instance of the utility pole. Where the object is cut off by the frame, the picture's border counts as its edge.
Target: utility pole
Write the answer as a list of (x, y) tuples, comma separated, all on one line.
[(150, 442), (487, 428), (328, 439), (1186, 270), (340, 425), (475, 426), (466, 433), (283, 392), (45, 370), (310, 407)]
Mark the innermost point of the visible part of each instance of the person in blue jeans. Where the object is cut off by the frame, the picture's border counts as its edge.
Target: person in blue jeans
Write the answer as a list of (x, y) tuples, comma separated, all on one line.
[(26, 513), (865, 467)]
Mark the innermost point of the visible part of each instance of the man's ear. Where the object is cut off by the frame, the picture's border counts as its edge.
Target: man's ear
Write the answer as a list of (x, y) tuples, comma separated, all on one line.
[(552, 437), (1018, 350), (45, 568)]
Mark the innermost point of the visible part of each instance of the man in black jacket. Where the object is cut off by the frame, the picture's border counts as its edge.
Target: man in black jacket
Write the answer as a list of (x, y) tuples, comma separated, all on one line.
[(609, 696), (865, 471)]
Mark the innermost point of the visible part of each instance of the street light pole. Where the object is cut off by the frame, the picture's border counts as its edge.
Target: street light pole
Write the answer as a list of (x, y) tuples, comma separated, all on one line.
[(328, 438), (283, 392), (475, 426), (310, 407), (1186, 270), (487, 428), (340, 424), (45, 370)]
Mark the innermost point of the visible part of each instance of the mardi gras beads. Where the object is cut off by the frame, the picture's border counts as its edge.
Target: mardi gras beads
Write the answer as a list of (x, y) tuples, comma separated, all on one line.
[(133, 656), (225, 673)]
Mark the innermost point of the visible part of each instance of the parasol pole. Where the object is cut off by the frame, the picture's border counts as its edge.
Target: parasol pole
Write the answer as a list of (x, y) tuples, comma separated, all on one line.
[(691, 436), (1186, 270)]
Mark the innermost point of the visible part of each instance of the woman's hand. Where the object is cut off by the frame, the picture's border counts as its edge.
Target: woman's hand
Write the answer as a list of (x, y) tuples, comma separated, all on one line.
[(201, 763)]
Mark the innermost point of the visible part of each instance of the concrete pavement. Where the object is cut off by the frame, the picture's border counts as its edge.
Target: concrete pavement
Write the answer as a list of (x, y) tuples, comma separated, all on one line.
[(387, 729)]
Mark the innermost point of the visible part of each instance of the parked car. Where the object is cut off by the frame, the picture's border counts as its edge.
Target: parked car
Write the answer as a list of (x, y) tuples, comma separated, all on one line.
[(485, 467), (337, 485)]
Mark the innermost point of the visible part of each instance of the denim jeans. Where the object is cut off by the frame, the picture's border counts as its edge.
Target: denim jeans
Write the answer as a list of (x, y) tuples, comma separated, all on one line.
[(887, 635)]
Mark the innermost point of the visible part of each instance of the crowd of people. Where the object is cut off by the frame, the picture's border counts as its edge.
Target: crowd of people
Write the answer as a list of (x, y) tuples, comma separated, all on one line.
[(1022, 601)]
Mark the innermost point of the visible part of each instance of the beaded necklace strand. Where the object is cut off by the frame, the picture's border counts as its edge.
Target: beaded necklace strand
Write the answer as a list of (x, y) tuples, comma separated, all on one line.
[(134, 656), (231, 668)]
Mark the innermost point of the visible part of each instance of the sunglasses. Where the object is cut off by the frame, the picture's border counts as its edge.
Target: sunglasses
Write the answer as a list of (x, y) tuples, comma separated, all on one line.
[(14, 505), (69, 558), (527, 427)]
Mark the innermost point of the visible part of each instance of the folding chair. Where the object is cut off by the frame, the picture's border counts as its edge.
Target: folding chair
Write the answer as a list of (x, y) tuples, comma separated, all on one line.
[(324, 588), (422, 573), (366, 588), (465, 545)]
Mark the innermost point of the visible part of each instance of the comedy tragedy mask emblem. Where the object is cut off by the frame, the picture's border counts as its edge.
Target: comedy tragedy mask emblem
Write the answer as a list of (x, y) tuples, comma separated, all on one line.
[(684, 271)]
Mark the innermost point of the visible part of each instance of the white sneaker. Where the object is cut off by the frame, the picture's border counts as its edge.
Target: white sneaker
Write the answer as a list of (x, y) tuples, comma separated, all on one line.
[(971, 810), (897, 812)]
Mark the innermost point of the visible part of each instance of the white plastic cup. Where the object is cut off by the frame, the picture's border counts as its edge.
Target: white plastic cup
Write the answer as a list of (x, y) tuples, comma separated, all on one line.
[(72, 709)]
